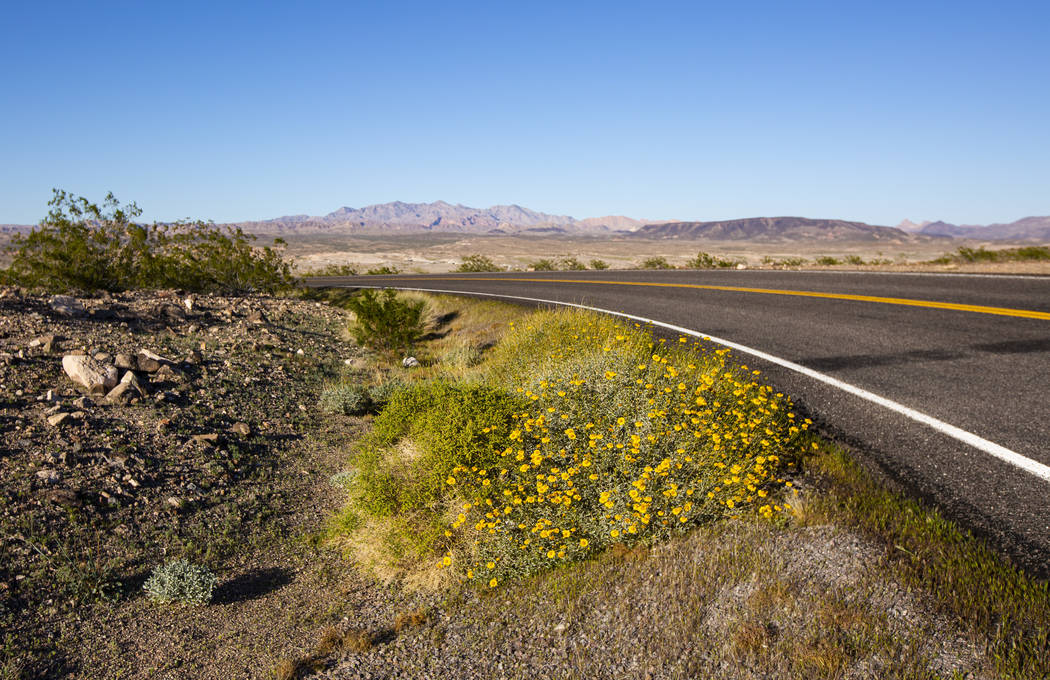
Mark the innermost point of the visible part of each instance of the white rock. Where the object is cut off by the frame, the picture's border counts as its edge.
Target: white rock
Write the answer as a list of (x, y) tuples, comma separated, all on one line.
[(410, 362), (741, 266), (92, 374)]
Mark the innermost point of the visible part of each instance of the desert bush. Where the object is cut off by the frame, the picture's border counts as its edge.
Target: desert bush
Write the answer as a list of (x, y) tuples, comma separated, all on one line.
[(386, 322), (478, 263), (385, 270), (181, 581), (982, 254), (572, 264), (346, 398), (707, 261), (83, 246), (544, 266), (655, 263), (828, 260), (330, 270), (854, 259), (599, 264)]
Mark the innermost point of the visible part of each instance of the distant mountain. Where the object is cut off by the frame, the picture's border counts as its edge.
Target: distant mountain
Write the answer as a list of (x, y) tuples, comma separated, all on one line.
[(1025, 229), (426, 217), (909, 226), (776, 229)]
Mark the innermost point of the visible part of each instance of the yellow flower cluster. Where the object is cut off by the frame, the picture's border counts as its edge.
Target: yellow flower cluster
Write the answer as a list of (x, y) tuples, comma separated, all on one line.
[(626, 439)]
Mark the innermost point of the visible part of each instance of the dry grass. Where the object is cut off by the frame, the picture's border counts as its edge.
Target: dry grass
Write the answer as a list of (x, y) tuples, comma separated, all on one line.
[(410, 619), (292, 668), (357, 640)]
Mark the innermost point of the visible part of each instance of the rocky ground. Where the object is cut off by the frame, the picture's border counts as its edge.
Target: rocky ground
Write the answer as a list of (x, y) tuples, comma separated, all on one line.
[(199, 437), (142, 427)]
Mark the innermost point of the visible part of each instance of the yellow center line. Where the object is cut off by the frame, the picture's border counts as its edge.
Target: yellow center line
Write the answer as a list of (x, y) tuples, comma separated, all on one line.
[(980, 309)]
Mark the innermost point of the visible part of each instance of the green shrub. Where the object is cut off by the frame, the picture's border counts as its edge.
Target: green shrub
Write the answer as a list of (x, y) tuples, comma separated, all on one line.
[(1032, 253), (450, 424), (827, 260), (655, 263), (599, 264), (346, 398), (854, 259), (386, 322), (181, 581), (385, 270), (572, 264), (81, 246), (544, 266), (478, 263), (707, 261)]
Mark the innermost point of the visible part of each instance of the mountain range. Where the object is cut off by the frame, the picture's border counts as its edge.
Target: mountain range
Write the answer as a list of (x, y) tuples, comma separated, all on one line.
[(1024, 229), (443, 217)]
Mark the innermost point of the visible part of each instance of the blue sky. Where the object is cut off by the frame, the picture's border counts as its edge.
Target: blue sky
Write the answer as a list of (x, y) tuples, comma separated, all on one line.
[(874, 111)]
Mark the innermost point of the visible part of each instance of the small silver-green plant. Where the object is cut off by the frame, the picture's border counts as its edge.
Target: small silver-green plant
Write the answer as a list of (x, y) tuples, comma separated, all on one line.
[(380, 394), (346, 398), (181, 581)]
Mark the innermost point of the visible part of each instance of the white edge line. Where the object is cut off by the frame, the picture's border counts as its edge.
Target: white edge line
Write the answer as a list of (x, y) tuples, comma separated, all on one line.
[(1001, 452)]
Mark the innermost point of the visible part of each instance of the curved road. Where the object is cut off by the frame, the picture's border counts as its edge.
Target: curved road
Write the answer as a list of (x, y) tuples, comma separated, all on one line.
[(972, 352)]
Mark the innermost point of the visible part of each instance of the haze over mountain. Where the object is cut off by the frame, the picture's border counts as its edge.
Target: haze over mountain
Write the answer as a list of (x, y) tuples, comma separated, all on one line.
[(1024, 229)]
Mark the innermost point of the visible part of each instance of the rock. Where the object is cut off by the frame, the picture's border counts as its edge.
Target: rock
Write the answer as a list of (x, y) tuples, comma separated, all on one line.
[(47, 343), (174, 502), (195, 358), (169, 374), (188, 302), (57, 419), (126, 361), (83, 402), (410, 362), (121, 394), (66, 304), (173, 313), (243, 429), (94, 375), (210, 439), (300, 352), (153, 355), (150, 362), (104, 357), (64, 497), (49, 476), (741, 266)]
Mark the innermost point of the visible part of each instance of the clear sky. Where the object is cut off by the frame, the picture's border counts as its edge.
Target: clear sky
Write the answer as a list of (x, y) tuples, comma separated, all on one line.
[(873, 111)]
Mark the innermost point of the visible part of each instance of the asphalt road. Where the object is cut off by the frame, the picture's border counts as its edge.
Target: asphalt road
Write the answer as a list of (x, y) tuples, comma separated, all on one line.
[(984, 371)]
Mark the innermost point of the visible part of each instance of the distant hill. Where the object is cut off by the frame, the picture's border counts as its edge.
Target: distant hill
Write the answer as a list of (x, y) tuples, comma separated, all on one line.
[(1024, 229), (776, 229)]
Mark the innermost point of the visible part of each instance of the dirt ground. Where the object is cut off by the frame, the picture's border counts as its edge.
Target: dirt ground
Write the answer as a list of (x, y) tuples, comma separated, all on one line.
[(443, 252)]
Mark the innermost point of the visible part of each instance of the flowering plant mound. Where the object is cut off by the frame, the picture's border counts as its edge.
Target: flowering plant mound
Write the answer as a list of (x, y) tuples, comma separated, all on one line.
[(606, 436)]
